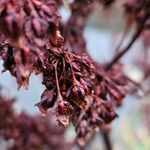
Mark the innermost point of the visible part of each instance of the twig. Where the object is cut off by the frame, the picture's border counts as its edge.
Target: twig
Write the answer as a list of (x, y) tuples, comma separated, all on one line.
[(107, 141), (56, 76), (125, 33), (138, 32)]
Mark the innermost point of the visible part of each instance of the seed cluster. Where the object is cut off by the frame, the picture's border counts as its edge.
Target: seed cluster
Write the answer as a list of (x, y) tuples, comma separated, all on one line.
[(109, 91), (28, 132), (68, 80)]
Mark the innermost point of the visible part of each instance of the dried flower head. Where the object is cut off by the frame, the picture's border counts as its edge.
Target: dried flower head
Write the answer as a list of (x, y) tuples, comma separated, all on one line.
[(29, 132), (68, 80)]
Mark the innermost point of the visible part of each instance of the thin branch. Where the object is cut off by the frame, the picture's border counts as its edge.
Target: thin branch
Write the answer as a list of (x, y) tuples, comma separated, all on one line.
[(56, 76), (138, 32), (107, 141), (125, 33)]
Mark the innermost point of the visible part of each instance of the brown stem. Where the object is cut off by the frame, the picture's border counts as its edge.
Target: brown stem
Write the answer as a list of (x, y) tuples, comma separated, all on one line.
[(107, 141), (74, 80), (56, 76), (138, 32)]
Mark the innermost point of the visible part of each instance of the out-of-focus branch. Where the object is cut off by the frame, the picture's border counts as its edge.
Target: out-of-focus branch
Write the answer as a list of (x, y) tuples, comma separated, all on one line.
[(138, 32), (125, 33), (107, 140)]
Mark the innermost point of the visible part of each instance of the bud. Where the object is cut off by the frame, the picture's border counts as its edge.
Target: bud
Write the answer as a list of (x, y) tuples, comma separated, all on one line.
[(77, 94)]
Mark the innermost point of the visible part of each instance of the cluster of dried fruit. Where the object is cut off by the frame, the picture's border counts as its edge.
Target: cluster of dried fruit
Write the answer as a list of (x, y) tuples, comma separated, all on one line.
[(80, 10), (109, 90), (68, 81), (28, 132), (27, 27)]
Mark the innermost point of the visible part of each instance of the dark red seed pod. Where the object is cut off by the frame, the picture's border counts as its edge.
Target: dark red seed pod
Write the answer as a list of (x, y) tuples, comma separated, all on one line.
[(64, 108)]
